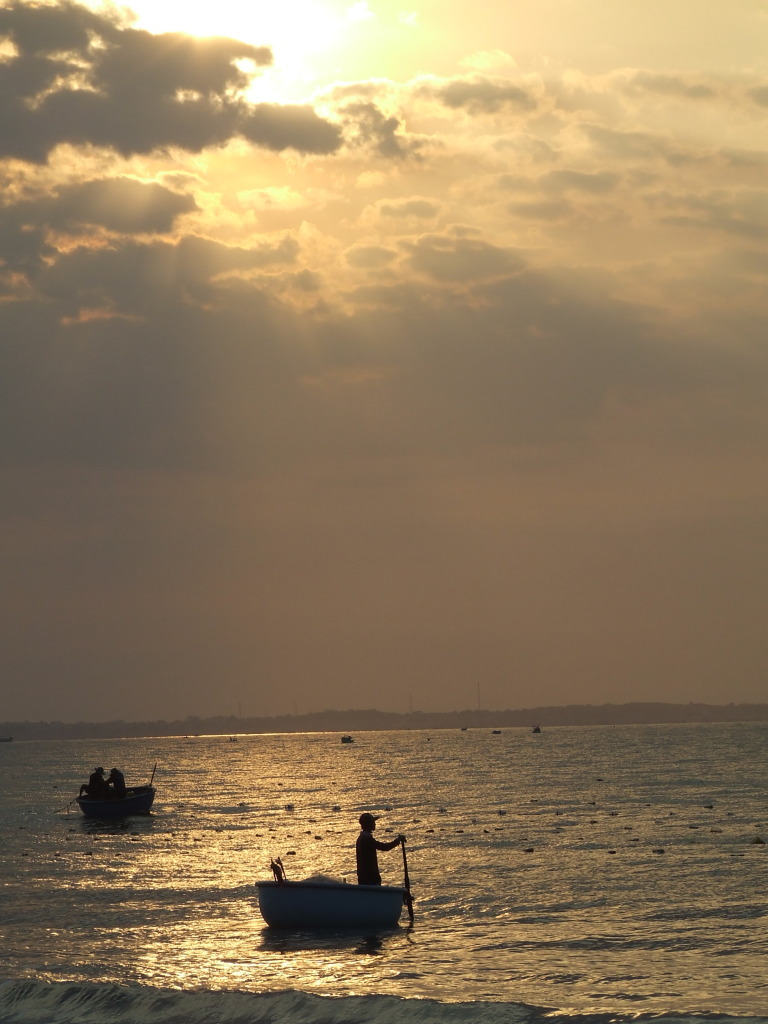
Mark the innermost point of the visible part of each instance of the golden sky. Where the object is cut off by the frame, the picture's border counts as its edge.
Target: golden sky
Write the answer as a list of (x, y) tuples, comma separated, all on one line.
[(359, 354)]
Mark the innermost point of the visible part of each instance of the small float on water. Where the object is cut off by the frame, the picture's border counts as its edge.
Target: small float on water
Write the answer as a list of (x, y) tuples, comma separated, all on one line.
[(347, 739)]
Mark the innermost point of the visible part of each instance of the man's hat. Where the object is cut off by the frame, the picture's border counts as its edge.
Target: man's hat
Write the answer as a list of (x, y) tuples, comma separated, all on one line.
[(368, 819)]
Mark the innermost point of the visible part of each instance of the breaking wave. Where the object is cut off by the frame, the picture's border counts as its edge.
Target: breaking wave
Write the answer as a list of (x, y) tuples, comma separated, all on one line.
[(37, 1002)]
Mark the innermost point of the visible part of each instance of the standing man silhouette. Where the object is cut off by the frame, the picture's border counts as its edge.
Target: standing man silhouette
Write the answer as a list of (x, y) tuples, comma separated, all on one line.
[(366, 847)]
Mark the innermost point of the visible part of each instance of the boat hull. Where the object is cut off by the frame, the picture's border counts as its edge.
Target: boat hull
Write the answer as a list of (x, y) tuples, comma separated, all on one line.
[(330, 906), (137, 800)]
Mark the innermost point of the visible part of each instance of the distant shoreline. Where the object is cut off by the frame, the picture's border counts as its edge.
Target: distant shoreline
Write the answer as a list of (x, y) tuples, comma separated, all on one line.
[(649, 713)]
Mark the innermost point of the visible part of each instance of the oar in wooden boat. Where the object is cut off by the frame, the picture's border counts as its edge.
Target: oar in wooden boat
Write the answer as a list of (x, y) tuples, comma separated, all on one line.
[(407, 884), (152, 777)]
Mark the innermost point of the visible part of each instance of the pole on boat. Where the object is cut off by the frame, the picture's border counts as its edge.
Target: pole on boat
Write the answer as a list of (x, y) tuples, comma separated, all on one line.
[(407, 884), (152, 777)]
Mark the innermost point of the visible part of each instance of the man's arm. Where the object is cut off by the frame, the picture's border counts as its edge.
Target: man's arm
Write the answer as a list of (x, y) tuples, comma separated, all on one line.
[(389, 846)]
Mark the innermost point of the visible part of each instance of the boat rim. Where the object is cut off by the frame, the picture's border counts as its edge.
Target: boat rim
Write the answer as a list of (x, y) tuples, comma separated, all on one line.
[(346, 886), (132, 794)]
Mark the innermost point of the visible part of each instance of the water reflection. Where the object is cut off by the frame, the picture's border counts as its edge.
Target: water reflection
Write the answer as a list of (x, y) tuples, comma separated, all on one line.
[(274, 941), (508, 902), (114, 826)]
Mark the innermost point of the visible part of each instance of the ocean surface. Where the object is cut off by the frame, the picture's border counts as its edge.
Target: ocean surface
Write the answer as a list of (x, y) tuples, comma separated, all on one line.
[(589, 873)]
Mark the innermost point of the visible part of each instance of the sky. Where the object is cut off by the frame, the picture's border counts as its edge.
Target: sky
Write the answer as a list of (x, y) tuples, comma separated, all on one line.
[(380, 354)]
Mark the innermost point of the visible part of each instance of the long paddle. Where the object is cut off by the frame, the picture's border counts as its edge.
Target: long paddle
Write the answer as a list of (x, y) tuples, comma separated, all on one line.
[(407, 884), (152, 779)]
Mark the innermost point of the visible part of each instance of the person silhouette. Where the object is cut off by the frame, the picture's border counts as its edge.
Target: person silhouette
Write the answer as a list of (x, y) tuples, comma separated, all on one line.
[(366, 849), (96, 787)]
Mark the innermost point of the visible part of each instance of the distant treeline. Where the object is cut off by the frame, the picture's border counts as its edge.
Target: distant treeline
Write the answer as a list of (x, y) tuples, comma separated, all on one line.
[(347, 721)]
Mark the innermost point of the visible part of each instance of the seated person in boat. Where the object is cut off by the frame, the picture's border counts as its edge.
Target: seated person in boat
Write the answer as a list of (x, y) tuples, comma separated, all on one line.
[(96, 787), (366, 847), (116, 783)]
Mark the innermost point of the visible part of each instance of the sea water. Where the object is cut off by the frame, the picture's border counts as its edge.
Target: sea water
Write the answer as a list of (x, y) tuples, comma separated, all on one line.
[(601, 873)]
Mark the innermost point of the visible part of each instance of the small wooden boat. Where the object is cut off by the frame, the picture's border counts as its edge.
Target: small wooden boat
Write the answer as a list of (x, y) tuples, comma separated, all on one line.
[(330, 905), (347, 739), (137, 800), (6, 739)]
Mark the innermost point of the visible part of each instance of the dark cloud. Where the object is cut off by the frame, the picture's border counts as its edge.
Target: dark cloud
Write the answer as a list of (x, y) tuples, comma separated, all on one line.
[(196, 433), (136, 280), (204, 456), (594, 182), (746, 158), (480, 95), (743, 213), (281, 127), (142, 64), (625, 145), (760, 95), (451, 259), (142, 356), (42, 30), (746, 261), (367, 126), (671, 85), (87, 79), (118, 204), (178, 378), (24, 247), (133, 360), (369, 257), (424, 209), (541, 209)]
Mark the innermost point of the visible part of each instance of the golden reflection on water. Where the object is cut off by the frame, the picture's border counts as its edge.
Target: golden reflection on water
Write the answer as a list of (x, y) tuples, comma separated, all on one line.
[(532, 862), (210, 836)]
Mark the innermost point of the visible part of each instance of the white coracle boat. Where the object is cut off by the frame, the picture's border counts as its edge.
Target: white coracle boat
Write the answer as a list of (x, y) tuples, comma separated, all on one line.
[(329, 904)]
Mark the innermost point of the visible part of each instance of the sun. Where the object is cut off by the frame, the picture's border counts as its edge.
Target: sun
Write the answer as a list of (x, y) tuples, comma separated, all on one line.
[(304, 35)]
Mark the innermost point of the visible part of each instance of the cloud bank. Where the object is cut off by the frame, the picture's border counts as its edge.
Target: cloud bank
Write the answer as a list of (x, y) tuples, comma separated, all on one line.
[(363, 400)]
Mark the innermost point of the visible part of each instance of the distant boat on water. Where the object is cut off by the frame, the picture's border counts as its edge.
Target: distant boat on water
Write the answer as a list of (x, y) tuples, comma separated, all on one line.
[(347, 739), (5, 739), (537, 728), (137, 800)]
